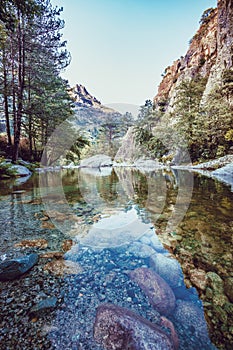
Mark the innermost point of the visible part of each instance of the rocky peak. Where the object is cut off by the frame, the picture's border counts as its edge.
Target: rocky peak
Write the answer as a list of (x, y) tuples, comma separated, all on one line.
[(82, 97), (209, 53)]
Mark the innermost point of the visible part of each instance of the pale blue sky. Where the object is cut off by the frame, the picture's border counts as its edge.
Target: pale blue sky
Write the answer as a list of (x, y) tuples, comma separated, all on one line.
[(120, 48)]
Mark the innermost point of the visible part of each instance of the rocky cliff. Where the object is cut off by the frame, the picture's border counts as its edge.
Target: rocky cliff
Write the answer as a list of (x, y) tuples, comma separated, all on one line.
[(210, 52), (88, 110)]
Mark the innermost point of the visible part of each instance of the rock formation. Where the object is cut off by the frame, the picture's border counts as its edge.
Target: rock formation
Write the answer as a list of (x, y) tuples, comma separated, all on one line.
[(209, 53)]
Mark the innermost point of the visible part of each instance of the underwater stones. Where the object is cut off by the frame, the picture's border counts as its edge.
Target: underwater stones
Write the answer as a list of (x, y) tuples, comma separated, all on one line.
[(168, 268), (67, 245), (191, 316), (168, 324), (33, 243), (52, 255), (12, 269), (152, 239), (155, 288), (117, 328), (140, 250), (47, 225), (43, 305), (60, 267)]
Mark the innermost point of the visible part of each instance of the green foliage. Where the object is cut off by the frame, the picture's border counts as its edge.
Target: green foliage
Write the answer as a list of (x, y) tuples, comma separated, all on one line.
[(205, 130), (187, 108), (32, 57)]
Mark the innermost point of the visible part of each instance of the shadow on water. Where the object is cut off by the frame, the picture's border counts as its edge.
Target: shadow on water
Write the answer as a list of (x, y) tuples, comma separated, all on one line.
[(120, 224)]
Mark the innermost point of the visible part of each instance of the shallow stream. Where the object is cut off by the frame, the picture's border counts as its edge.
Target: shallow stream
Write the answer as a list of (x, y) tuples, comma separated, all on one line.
[(97, 232)]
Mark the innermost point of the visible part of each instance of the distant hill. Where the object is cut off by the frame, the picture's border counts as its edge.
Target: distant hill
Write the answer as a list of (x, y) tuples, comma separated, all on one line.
[(90, 113)]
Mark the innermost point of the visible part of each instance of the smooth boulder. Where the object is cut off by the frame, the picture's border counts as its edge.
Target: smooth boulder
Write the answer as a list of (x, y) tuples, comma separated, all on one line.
[(168, 268), (157, 290), (190, 315), (117, 328), (12, 269), (21, 170), (97, 161)]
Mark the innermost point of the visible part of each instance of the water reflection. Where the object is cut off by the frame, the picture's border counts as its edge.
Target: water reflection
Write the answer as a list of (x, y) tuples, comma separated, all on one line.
[(117, 221)]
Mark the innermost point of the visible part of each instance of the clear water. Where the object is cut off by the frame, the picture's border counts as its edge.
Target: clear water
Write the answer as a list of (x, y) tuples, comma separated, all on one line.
[(115, 222)]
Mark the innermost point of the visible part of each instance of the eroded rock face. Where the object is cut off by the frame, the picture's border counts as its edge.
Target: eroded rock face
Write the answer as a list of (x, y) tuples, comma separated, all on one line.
[(157, 290), (119, 328), (128, 151), (209, 53), (12, 269), (199, 59)]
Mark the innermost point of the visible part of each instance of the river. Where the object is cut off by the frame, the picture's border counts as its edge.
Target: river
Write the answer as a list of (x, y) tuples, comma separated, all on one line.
[(94, 231)]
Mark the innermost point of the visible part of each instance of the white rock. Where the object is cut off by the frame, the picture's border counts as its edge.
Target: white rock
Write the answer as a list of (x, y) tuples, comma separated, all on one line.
[(21, 170), (97, 161)]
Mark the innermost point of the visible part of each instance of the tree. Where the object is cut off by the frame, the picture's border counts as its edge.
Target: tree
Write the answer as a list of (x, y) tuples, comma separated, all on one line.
[(187, 108), (33, 55)]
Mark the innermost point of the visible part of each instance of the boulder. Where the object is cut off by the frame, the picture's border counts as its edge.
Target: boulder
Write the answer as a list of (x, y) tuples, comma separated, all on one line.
[(152, 239), (97, 161), (145, 164), (141, 250), (157, 290), (167, 268), (12, 269), (21, 170), (119, 328), (42, 306), (225, 174), (190, 315)]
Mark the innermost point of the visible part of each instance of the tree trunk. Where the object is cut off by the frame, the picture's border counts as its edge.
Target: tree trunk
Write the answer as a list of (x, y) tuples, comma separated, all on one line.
[(5, 98), (20, 90)]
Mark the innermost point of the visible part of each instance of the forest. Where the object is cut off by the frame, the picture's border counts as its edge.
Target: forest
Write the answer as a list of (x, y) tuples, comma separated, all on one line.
[(34, 98)]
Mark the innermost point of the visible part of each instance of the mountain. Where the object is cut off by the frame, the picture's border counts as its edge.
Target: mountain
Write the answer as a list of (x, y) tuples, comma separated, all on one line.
[(210, 52), (88, 110)]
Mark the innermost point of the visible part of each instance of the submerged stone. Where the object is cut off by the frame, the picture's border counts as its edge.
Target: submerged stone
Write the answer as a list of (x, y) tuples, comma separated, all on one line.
[(43, 305), (12, 269), (117, 328), (157, 290), (169, 269), (60, 267), (35, 243), (190, 315)]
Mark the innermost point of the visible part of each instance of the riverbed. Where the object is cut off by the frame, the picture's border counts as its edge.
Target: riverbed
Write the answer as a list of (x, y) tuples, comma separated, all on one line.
[(93, 231)]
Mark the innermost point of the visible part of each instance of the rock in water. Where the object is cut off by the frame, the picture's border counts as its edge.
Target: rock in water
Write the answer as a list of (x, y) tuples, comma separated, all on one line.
[(43, 305), (190, 315), (117, 328), (21, 170), (97, 161), (12, 269), (169, 269), (157, 290)]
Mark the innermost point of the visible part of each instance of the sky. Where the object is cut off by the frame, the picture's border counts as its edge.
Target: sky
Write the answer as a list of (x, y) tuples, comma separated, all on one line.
[(120, 48)]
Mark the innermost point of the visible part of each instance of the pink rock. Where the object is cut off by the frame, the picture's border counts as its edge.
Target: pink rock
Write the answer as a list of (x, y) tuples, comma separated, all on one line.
[(117, 328), (157, 290)]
